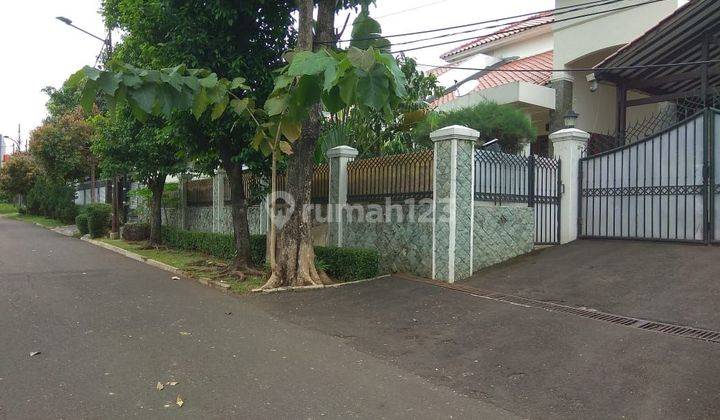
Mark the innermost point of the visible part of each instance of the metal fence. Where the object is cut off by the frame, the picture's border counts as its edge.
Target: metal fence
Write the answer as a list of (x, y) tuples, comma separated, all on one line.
[(320, 184), (398, 177), (503, 178), (200, 192)]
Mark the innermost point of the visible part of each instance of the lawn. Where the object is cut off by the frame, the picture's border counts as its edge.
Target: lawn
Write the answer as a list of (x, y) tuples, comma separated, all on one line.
[(7, 208), (195, 264), (44, 221)]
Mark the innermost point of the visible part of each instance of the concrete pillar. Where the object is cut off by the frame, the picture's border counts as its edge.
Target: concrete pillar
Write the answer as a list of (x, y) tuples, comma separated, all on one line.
[(338, 159), (568, 146), (453, 202), (218, 200), (562, 82), (182, 201)]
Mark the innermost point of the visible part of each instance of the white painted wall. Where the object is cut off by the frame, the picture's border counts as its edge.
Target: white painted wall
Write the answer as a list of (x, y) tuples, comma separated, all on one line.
[(524, 45)]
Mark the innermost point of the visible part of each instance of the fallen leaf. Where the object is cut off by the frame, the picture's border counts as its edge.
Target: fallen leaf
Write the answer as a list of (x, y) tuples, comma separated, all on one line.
[(159, 386), (228, 313), (166, 405), (175, 278), (173, 383), (34, 353), (179, 401), (184, 333)]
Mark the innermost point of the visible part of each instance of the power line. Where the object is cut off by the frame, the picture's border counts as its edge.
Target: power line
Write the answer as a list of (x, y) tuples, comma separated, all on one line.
[(576, 69), (447, 28), (411, 9), (499, 25), (538, 25)]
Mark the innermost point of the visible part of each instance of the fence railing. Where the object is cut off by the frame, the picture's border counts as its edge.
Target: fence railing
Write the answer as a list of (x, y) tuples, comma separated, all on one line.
[(398, 177), (200, 192), (532, 180)]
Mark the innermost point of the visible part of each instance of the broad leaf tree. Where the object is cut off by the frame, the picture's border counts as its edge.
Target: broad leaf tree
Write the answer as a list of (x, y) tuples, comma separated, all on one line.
[(18, 174), (231, 37), (148, 151)]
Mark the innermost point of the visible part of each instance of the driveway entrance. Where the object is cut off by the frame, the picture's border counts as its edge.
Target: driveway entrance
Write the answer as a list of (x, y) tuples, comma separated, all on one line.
[(669, 282)]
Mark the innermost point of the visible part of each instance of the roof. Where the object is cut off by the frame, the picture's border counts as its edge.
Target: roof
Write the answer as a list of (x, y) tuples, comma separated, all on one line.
[(675, 39), (512, 29), (542, 62)]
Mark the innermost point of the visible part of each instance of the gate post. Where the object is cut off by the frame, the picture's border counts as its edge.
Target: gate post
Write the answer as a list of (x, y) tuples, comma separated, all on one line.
[(338, 159), (453, 202), (218, 182), (182, 201), (568, 146)]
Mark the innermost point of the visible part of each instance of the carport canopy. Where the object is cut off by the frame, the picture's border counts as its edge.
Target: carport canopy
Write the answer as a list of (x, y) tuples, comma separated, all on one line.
[(690, 35)]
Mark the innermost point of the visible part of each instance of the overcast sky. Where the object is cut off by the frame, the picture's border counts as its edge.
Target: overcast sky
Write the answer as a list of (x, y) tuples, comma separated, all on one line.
[(36, 50)]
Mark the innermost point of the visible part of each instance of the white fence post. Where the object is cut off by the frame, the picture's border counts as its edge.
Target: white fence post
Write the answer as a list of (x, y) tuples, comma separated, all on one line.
[(453, 202), (568, 146), (338, 159)]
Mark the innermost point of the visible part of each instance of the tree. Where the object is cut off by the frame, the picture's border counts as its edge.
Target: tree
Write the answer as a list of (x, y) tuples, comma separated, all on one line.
[(62, 146), (493, 121), (290, 119), (373, 133), (231, 37), (18, 174), (148, 151)]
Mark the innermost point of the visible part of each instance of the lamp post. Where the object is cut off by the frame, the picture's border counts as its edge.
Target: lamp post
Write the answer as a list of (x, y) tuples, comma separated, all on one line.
[(570, 119), (116, 179)]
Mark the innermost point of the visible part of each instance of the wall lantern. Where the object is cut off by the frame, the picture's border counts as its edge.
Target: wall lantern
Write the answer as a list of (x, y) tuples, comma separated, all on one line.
[(570, 119)]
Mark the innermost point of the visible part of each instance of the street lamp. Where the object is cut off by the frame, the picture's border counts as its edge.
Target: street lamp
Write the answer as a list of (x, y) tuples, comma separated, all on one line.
[(17, 143), (570, 119), (116, 180)]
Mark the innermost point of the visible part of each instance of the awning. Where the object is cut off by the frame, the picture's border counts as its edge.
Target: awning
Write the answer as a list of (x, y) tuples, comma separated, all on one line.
[(691, 34)]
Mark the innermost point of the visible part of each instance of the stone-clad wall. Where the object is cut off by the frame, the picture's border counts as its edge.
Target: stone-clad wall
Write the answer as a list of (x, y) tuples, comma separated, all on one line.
[(200, 218), (501, 233), (404, 243)]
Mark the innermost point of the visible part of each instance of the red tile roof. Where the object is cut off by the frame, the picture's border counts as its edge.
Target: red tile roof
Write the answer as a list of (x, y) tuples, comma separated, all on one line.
[(512, 29), (543, 62)]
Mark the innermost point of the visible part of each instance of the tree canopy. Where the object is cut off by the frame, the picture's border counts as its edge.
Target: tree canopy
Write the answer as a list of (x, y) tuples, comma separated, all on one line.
[(18, 174)]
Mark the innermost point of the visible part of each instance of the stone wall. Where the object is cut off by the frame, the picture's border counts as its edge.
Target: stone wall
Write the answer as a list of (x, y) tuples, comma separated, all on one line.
[(501, 233), (404, 243), (200, 218)]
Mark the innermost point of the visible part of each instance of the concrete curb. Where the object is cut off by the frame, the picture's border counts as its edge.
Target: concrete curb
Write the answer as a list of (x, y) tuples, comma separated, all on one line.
[(318, 287)]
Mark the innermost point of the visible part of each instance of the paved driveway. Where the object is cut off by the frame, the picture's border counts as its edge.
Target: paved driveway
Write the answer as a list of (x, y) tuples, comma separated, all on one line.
[(675, 283)]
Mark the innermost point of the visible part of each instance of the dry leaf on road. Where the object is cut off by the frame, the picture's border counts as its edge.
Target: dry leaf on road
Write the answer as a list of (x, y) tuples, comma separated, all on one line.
[(159, 386), (184, 333), (179, 401), (173, 383)]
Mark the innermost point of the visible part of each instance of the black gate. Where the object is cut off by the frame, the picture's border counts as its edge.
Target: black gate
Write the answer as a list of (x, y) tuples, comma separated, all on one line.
[(662, 188), (503, 178)]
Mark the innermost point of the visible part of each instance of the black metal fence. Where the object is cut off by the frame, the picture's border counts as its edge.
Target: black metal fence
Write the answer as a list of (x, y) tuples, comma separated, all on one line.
[(200, 192), (504, 178), (398, 177)]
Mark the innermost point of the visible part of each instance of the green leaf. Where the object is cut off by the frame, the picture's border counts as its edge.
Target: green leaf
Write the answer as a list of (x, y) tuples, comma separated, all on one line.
[(398, 77), (239, 83), (276, 105), (240, 105), (373, 88), (332, 100), (258, 139), (309, 63), (210, 81), (131, 80), (91, 72), (200, 104), (291, 129), (347, 87), (362, 59), (282, 81), (108, 83), (219, 109), (87, 98), (144, 97), (74, 81)]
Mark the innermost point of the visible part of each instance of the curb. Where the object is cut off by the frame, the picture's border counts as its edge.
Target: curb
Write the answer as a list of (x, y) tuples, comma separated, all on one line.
[(317, 287), (218, 285)]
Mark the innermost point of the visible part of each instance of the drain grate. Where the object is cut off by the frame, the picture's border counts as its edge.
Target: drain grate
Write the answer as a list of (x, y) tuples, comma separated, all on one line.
[(643, 324)]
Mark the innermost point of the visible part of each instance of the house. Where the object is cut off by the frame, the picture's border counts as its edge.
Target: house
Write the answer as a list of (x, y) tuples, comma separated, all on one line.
[(523, 65)]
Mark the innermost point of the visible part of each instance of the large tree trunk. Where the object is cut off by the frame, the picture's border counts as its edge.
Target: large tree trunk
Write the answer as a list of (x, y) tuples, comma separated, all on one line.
[(93, 190), (157, 186), (295, 265), (239, 218)]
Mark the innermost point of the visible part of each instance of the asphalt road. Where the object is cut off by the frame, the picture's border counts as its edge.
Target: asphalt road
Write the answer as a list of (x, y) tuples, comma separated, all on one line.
[(109, 328)]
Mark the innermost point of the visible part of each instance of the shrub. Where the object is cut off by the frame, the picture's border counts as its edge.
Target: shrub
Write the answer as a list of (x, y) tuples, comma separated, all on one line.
[(98, 215), (136, 231), (52, 199), (81, 220), (348, 264)]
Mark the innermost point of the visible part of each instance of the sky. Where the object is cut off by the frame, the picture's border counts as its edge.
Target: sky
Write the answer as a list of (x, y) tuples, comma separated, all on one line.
[(37, 50)]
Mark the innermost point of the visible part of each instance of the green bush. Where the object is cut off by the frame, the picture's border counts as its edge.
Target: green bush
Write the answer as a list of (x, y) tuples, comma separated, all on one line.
[(81, 220), (348, 264), (98, 215), (135, 231), (52, 199)]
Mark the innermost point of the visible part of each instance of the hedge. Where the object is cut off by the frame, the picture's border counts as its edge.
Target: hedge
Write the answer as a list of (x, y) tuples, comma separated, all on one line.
[(81, 220), (135, 231), (349, 264), (344, 264), (98, 215)]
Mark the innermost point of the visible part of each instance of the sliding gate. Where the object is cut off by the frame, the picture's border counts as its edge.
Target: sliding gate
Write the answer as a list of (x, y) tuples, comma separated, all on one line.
[(663, 188)]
